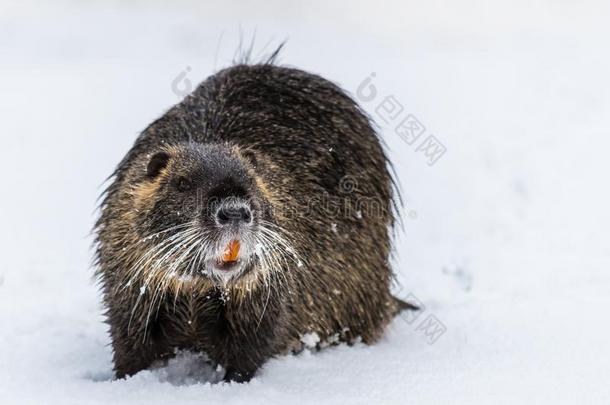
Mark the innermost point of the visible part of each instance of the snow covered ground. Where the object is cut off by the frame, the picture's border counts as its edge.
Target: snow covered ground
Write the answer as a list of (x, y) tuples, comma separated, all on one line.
[(506, 235)]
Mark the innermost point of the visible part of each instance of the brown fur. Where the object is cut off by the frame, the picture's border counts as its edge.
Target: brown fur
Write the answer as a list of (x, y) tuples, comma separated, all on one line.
[(294, 137)]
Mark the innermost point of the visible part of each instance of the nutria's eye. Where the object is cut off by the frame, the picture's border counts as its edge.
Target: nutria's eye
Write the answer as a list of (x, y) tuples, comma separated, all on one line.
[(184, 184)]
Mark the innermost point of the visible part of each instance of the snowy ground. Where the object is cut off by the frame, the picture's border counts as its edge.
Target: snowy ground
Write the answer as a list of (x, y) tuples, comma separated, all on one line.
[(506, 236)]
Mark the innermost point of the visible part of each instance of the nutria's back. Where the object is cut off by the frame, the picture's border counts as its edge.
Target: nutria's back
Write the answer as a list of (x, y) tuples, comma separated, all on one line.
[(252, 213)]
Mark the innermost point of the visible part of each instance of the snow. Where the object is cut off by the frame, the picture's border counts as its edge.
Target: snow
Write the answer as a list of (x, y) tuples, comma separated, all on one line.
[(505, 235), (310, 340)]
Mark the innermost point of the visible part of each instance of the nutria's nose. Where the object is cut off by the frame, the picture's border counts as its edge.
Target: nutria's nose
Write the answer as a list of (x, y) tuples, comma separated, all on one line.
[(233, 214)]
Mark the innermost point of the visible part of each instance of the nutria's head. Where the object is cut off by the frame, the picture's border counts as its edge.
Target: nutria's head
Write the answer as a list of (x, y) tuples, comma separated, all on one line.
[(200, 212)]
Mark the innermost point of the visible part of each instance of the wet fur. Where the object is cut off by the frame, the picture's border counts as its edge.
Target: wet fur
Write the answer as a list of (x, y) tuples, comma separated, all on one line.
[(297, 136)]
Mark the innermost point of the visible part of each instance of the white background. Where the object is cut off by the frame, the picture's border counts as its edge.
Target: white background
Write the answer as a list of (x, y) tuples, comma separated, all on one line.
[(506, 236)]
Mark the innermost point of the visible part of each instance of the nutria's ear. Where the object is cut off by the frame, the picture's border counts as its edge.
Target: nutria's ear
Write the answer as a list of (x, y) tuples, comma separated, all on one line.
[(156, 164)]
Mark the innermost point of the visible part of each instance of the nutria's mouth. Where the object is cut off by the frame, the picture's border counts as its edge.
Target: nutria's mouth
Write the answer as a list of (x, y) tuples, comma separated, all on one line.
[(227, 266), (231, 261), (225, 271)]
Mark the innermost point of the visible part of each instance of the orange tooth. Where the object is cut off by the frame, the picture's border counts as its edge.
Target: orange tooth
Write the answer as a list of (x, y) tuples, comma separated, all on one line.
[(231, 252)]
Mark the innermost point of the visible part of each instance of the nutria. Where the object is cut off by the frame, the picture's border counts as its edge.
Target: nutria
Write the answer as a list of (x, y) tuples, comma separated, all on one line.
[(253, 213)]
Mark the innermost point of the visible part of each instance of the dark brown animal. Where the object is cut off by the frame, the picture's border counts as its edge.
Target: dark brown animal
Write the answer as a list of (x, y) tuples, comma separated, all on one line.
[(272, 165)]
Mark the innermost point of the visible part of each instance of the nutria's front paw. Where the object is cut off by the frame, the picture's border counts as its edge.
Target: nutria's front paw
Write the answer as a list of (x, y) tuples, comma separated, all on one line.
[(233, 375)]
